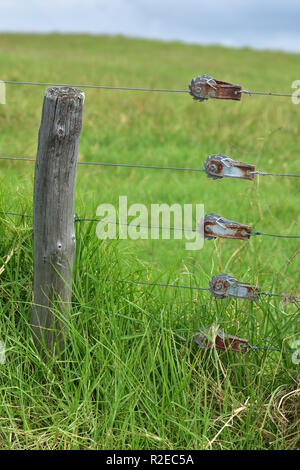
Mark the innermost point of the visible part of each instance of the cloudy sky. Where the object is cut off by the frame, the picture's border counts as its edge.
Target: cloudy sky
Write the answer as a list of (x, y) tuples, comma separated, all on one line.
[(273, 24)]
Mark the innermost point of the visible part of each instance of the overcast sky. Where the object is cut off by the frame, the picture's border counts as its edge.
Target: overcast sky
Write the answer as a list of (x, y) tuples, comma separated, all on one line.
[(273, 24)]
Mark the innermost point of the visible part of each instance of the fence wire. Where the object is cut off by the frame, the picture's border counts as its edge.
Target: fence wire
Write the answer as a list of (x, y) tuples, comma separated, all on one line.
[(96, 87), (152, 167), (176, 286), (78, 219), (121, 88), (158, 167), (149, 227)]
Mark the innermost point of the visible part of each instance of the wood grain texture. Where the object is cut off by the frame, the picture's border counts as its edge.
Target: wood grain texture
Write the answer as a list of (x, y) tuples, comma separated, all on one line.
[(53, 214)]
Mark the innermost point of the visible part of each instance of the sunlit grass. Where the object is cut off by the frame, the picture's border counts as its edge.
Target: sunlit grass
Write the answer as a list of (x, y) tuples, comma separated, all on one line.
[(133, 377)]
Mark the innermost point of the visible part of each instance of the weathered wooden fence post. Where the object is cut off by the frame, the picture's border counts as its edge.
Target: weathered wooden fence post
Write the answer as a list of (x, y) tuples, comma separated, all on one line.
[(53, 214)]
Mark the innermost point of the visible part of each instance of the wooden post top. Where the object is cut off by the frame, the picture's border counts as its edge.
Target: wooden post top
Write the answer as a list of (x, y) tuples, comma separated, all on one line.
[(64, 92)]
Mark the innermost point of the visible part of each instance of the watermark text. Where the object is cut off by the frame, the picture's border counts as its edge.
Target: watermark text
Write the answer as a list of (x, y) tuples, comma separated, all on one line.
[(174, 221)]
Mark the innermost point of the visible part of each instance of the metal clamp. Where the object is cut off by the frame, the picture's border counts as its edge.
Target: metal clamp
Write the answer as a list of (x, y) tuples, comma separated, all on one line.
[(204, 87), (220, 166), (216, 226), (223, 285), (207, 338)]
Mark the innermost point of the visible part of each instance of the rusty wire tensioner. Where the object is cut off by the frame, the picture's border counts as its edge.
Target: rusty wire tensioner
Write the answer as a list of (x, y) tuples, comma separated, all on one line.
[(204, 87), (216, 226), (223, 285), (220, 166), (210, 336)]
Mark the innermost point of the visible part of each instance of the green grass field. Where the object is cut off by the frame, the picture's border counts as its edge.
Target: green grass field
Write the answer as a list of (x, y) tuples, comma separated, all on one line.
[(129, 380)]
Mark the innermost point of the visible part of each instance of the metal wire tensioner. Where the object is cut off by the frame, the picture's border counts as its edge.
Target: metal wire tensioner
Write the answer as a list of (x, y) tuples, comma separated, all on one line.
[(221, 166), (216, 226), (211, 336), (204, 87), (224, 285)]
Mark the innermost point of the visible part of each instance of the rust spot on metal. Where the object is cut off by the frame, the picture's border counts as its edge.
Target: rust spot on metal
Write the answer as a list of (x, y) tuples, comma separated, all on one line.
[(247, 170), (214, 167), (219, 286), (207, 338), (231, 342), (251, 292)]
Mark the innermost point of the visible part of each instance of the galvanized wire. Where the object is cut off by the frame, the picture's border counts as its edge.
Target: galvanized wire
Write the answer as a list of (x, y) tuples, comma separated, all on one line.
[(264, 173), (270, 294), (15, 214), (98, 87), (266, 93), (157, 284), (149, 227), (124, 165), (150, 167), (22, 159), (274, 235), (267, 348)]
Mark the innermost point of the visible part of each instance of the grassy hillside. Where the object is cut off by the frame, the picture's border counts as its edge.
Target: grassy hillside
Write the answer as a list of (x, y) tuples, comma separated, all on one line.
[(130, 381)]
